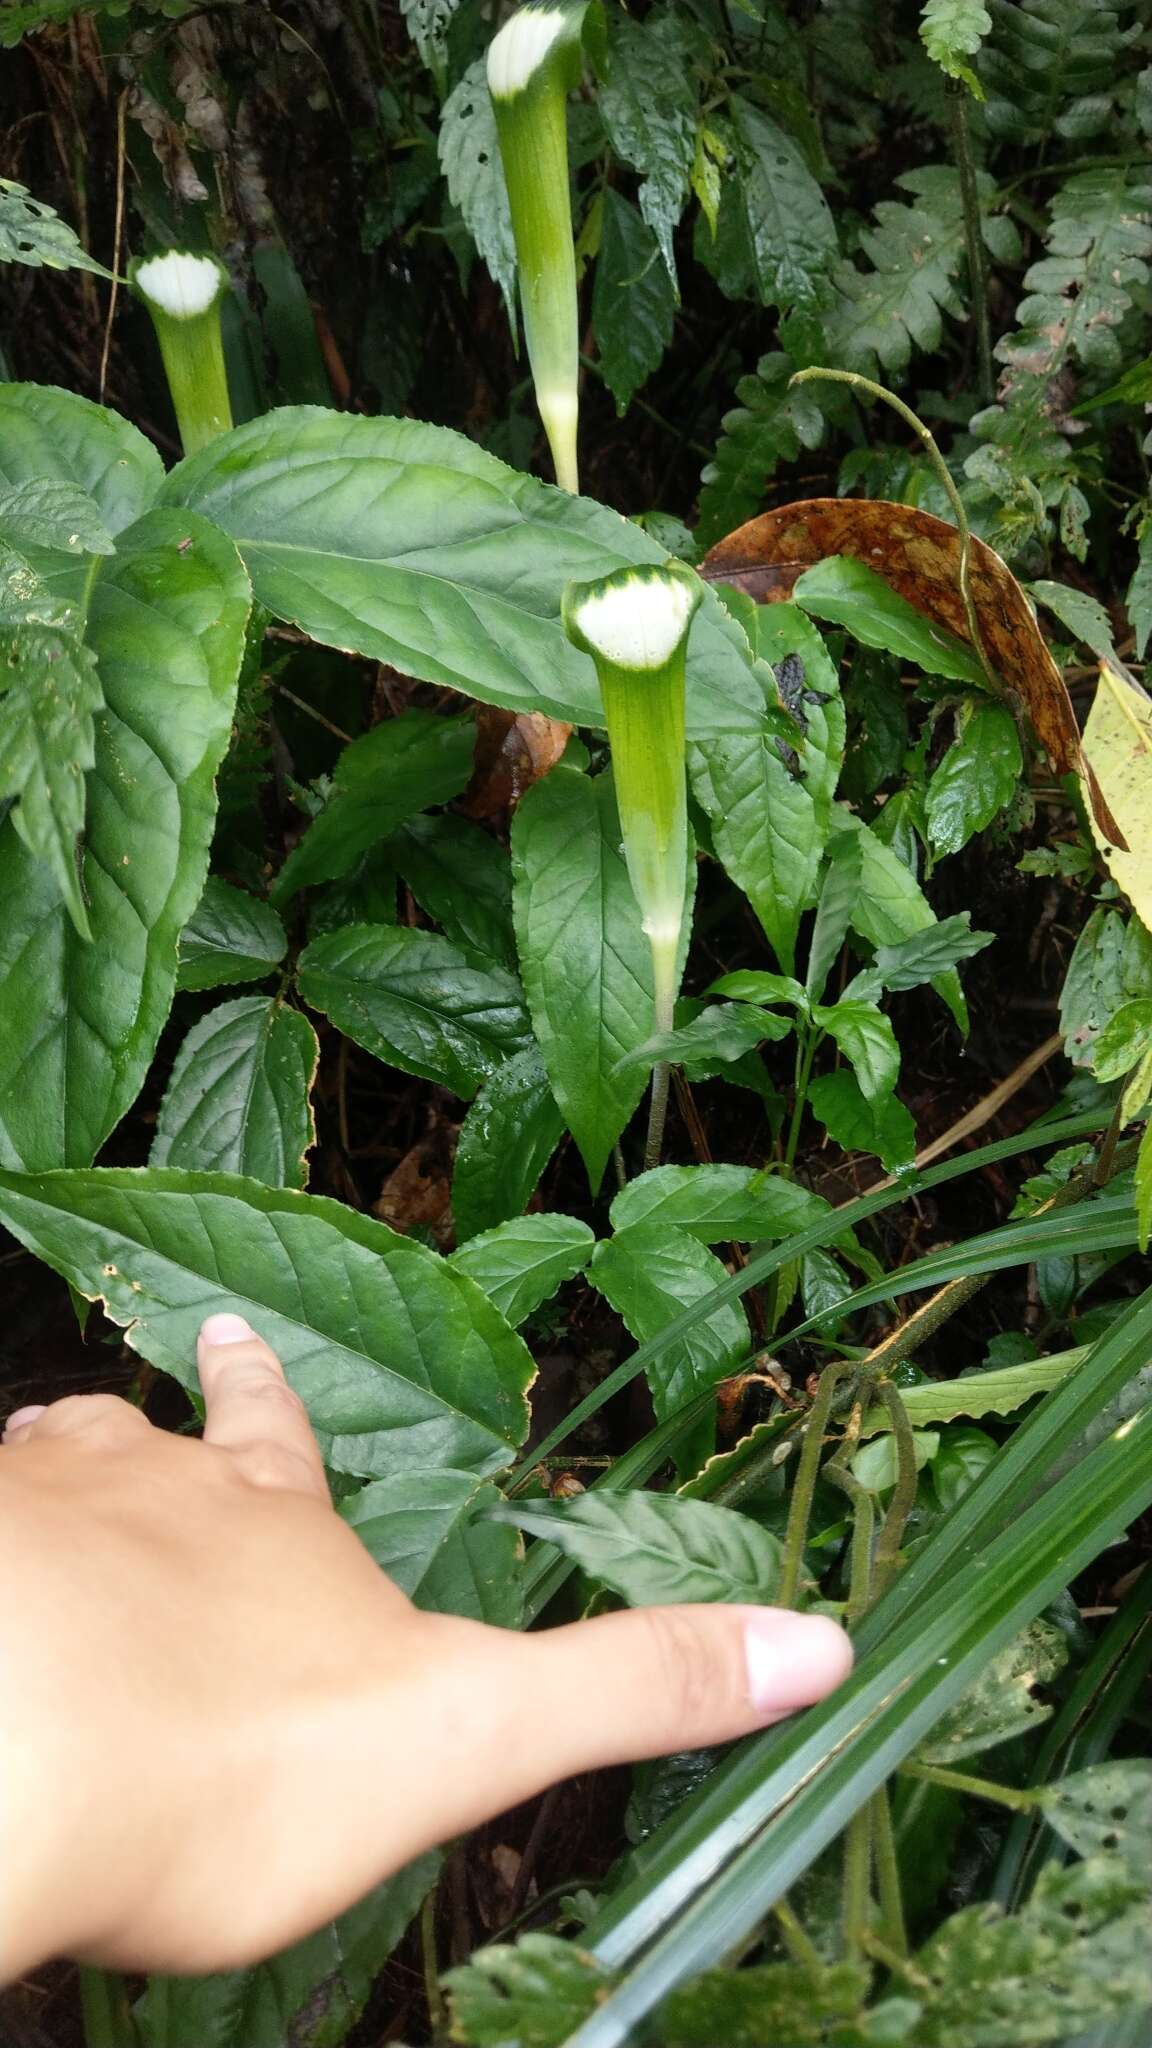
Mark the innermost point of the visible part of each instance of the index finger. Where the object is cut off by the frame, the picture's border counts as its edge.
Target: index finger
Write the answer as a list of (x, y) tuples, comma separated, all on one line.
[(251, 1411)]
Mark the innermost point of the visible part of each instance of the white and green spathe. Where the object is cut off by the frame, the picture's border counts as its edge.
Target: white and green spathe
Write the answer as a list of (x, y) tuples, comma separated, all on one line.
[(182, 292)]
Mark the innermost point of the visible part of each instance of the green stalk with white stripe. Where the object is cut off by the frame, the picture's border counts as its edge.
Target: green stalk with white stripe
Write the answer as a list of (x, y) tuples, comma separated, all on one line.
[(182, 292), (533, 64), (635, 625)]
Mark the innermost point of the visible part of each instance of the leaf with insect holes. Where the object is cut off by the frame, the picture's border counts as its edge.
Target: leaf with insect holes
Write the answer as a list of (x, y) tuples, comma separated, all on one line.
[(1002, 1702), (230, 937), (474, 173), (522, 1262), (534, 1993), (400, 1360), (238, 1100), (655, 1549)]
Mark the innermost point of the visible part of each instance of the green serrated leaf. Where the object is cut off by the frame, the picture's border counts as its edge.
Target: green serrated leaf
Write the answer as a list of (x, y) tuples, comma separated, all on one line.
[(383, 778), (649, 1272), (229, 937), (793, 2002), (429, 1532), (1111, 965), (979, 1393), (891, 906), (506, 1141), (915, 253), (1125, 1040), (50, 513), (775, 234), (472, 166), (717, 1203), (400, 1360), (718, 1036), (586, 963), (633, 305), (411, 545), (655, 1549), (416, 1001), (532, 1994), (522, 1262), (31, 232), (648, 105), (853, 595), (238, 1100), (463, 878), (166, 624), (50, 692), (770, 425), (866, 1038), (953, 30)]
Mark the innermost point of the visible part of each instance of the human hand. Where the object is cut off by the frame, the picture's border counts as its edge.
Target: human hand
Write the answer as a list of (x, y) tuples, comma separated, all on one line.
[(221, 1724)]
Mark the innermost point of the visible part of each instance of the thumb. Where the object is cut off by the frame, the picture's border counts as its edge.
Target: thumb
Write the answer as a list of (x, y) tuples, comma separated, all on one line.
[(534, 1709)]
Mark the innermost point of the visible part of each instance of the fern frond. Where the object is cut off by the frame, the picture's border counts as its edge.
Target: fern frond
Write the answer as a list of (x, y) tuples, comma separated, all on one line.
[(952, 31), (770, 425), (916, 252), (33, 233), (1053, 66)]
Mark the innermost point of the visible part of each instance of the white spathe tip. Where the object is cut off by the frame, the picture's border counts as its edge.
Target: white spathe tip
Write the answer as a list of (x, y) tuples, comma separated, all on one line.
[(638, 622), (181, 285), (517, 52)]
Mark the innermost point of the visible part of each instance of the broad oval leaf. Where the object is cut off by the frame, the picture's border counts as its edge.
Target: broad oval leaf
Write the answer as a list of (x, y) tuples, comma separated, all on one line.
[(429, 1532), (651, 1272), (81, 1022), (400, 1360), (45, 512), (586, 963), (851, 594), (408, 543), (379, 780), (522, 1262), (717, 1203), (656, 1549), (506, 1141), (416, 1001), (978, 775), (229, 937), (238, 1099), (53, 436), (866, 1038)]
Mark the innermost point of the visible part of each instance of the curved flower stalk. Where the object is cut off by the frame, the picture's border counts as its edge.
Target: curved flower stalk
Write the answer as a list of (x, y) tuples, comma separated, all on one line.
[(182, 292), (533, 64), (635, 626)]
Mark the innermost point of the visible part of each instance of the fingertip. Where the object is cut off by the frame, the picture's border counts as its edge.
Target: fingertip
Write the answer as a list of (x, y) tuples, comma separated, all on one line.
[(792, 1659), (225, 1328), (22, 1419)]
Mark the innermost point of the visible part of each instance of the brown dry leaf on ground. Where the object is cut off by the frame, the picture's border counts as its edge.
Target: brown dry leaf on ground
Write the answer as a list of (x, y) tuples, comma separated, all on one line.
[(513, 750), (417, 1193), (919, 556)]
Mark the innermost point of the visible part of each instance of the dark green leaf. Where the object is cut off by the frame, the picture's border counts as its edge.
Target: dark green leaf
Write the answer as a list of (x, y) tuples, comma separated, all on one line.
[(49, 695), (775, 235), (47, 435), (648, 105), (167, 623), (834, 910), (506, 1141), (853, 595), (649, 1272), (428, 1531), (655, 1549), (229, 937), (474, 171), (633, 304), (891, 905), (977, 777), (49, 513), (416, 1001), (770, 425), (33, 233), (750, 985), (884, 1127), (413, 546), (400, 1360), (238, 1099), (463, 879), (521, 1263), (724, 1032), (717, 1203), (928, 953), (531, 1995), (586, 963), (383, 778), (866, 1038)]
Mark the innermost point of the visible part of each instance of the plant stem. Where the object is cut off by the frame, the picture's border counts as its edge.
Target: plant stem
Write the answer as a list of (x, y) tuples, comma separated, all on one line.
[(796, 1938), (906, 413), (663, 1019), (437, 2009), (805, 1055), (856, 1908), (107, 2014), (1018, 1799), (890, 1896), (193, 356), (804, 1484), (956, 95), (903, 1493)]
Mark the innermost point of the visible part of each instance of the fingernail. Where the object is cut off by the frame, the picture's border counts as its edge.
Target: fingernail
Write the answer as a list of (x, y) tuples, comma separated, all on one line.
[(226, 1329), (21, 1416), (793, 1659)]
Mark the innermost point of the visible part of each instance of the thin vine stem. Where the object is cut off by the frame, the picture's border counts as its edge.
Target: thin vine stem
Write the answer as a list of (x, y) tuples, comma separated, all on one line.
[(1020, 1799), (956, 96), (804, 1485)]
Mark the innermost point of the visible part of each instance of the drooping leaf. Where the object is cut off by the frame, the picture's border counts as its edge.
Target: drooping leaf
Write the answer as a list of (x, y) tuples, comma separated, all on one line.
[(883, 1127), (230, 937), (410, 544), (866, 1038), (429, 1531), (1083, 614), (386, 776), (33, 233), (463, 879), (770, 425), (835, 908), (1002, 1702), (717, 1203), (166, 623), (951, 32), (719, 1035), (853, 595), (979, 1393), (521, 1263), (633, 304), (648, 105), (775, 234), (49, 694), (586, 963), (317, 1988), (50, 513), (928, 953), (1118, 737), (979, 774), (752, 985), (506, 1141), (400, 1360), (649, 1272), (238, 1097), (416, 1001), (655, 1549), (474, 172)]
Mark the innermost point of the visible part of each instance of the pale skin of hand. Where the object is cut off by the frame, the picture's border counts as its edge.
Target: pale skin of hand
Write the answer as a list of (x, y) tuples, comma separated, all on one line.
[(221, 1724)]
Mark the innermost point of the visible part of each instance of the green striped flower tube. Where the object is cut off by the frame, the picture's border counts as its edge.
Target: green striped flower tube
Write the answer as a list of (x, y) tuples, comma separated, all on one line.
[(182, 292)]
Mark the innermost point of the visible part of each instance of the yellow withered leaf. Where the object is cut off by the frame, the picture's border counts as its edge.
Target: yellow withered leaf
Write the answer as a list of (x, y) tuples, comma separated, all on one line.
[(1118, 741)]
